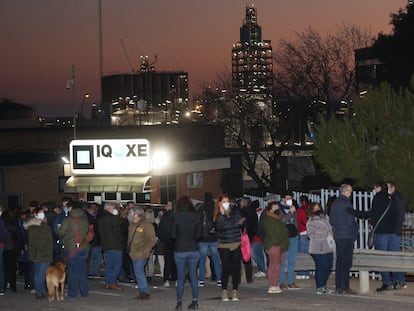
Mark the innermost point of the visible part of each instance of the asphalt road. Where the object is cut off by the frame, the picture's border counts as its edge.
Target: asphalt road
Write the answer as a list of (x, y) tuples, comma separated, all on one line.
[(253, 296)]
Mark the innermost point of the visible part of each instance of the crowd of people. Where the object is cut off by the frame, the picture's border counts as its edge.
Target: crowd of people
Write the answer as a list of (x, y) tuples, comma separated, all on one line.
[(193, 242)]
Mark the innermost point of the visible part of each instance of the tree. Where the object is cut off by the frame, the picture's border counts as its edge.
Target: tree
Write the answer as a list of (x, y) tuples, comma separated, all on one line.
[(397, 49), (374, 143), (319, 68)]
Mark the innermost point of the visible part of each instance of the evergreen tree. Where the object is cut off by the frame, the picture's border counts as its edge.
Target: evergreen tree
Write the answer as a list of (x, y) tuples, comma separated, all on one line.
[(397, 49), (376, 141)]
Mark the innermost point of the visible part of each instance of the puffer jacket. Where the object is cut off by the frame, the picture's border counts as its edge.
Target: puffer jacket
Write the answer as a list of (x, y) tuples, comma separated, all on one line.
[(40, 240), (74, 229), (141, 238), (343, 223), (228, 229), (318, 230)]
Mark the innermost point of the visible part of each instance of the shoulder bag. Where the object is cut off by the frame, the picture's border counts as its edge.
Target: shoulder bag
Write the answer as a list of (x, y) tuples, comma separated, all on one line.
[(370, 242)]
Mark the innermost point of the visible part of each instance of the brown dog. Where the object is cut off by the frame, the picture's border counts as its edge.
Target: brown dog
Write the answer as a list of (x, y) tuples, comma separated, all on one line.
[(55, 276)]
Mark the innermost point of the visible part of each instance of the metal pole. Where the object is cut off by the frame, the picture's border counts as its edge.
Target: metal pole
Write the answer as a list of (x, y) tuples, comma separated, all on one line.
[(73, 101)]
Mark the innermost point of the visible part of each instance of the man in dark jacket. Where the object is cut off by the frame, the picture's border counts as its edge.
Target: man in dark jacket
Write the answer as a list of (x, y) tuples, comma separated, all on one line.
[(163, 233), (109, 225), (385, 236), (399, 204), (345, 232)]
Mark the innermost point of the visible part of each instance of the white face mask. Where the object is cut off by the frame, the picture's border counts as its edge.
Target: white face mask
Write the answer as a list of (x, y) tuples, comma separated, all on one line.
[(115, 212), (41, 216), (226, 205), (289, 202)]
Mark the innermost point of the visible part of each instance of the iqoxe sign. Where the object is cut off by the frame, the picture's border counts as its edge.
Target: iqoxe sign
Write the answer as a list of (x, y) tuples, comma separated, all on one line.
[(110, 157)]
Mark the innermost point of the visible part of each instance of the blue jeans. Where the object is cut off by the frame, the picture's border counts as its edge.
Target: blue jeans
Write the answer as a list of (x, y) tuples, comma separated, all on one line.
[(344, 254), (77, 275), (2, 279), (303, 247), (323, 265), (290, 261), (113, 263), (181, 260), (206, 248), (389, 242), (95, 261), (40, 277), (258, 256), (140, 276)]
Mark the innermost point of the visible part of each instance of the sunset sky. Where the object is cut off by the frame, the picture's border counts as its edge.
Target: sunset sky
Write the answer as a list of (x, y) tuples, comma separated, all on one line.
[(41, 39)]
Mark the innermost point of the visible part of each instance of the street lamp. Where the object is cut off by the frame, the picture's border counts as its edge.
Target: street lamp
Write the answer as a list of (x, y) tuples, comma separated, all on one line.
[(85, 98), (70, 84)]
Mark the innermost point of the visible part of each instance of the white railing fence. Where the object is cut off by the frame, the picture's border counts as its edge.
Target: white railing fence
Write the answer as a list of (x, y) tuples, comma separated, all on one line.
[(361, 201)]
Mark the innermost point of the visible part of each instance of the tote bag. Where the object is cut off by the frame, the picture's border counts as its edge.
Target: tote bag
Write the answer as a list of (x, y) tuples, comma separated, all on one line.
[(245, 246)]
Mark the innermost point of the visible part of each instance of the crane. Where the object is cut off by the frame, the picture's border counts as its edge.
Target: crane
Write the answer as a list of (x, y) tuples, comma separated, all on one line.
[(127, 57)]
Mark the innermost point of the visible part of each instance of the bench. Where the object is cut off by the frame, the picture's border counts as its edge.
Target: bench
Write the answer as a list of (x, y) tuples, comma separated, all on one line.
[(366, 260)]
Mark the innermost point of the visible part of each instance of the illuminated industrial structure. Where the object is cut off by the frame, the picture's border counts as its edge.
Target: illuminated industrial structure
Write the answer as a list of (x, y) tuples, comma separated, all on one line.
[(252, 61), (144, 97)]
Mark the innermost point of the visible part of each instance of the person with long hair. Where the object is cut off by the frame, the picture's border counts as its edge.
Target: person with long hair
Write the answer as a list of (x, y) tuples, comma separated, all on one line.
[(229, 237), (185, 232), (321, 243)]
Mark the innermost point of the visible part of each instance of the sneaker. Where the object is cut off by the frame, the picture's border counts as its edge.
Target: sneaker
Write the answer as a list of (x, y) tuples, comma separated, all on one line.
[(283, 287), (384, 287), (300, 277), (224, 296), (293, 286), (259, 274), (166, 284), (219, 283), (200, 283), (1, 292), (323, 290), (274, 290), (235, 295)]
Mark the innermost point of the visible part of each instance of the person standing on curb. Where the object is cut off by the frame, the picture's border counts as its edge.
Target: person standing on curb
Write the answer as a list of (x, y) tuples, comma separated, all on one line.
[(345, 232)]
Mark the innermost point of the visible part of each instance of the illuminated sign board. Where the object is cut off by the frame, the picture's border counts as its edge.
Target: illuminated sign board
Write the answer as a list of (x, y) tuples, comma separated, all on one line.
[(110, 156)]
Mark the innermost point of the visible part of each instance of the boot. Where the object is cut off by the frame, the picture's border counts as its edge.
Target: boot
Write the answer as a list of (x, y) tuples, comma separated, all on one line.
[(224, 296), (179, 305), (193, 305), (234, 296)]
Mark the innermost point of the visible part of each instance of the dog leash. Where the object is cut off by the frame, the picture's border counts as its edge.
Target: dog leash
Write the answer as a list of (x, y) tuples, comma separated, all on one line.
[(78, 245)]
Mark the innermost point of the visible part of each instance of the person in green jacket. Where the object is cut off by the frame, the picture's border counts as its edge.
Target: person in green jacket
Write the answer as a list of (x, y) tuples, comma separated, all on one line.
[(276, 243), (40, 248), (73, 230)]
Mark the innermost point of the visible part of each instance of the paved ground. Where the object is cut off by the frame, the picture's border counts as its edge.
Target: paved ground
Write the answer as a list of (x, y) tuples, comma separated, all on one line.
[(252, 297)]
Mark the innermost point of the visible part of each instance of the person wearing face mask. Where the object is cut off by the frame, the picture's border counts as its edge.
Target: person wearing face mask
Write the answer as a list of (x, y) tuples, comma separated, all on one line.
[(59, 253), (276, 243), (321, 245), (228, 221), (40, 248), (112, 241), (73, 230), (141, 240), (289, 217)]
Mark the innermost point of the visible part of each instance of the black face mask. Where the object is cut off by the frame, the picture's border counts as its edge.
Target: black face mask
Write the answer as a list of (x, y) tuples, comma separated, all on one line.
[(317, 213)]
